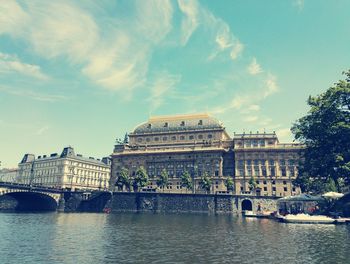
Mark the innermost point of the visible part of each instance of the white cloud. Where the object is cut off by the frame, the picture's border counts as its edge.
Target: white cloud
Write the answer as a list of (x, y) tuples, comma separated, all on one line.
[(10, 64), (42, 130), (250, 119), (225, 40), (250, 108), (61, 29), (163, 86), (190, 21), (32, 94), (237, 49), (115, 58), (299, 4), (271, 85), (254, 67), (13, 18), (284, 134)]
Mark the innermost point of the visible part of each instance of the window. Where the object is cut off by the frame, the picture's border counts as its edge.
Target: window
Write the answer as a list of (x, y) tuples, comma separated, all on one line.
[(265, 189), (283, 171), (272, 171), (156, 139), (165, 138), (265, 182), (273, 189), (285, 189), (173, 138), (200, 136), (210, 136), (148, 139), (182, 137), (284, 182), (191, 137)]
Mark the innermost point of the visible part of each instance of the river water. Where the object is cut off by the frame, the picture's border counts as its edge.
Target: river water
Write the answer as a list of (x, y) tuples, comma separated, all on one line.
[(168, 238)]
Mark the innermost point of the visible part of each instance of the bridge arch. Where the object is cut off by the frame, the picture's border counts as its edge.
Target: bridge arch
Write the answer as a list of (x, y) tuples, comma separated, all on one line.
[(32, 201)]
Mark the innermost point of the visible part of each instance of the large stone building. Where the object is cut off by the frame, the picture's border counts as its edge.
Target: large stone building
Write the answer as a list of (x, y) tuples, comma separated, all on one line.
[(199, 144), (67, 171)]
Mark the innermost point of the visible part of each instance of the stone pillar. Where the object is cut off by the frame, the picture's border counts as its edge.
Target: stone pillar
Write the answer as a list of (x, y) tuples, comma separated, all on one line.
[(221, 162)]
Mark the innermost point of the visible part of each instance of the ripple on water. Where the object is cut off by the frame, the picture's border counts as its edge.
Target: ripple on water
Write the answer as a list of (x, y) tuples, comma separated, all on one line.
[(170, 238)]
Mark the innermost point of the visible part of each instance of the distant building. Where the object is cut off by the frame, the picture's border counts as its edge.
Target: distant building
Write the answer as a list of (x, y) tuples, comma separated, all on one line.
[(270, 164), (67, 170), (9, 175), (199, 144)]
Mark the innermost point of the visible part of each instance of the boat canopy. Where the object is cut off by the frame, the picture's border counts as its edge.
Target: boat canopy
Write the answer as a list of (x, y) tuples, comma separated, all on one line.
[(302, 198)]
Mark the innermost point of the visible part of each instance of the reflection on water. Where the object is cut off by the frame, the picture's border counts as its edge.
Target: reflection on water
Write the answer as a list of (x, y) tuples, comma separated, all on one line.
[(186, 238)]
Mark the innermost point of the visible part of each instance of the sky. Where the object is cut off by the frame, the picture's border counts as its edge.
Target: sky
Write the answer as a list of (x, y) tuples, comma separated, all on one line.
[(83, 73)]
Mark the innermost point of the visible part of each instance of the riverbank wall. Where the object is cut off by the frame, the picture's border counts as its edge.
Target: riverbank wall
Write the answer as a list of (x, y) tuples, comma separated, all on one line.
[(189, 203)]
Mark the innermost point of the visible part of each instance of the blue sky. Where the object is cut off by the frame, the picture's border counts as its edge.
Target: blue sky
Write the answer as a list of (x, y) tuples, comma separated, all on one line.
[(83, 73)]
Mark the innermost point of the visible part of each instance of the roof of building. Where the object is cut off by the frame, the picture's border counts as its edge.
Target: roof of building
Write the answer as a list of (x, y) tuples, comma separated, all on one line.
[(178, 123), (68, 152)]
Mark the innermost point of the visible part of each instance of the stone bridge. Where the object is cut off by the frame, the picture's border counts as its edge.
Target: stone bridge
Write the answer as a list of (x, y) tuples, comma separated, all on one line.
[(22, 197)]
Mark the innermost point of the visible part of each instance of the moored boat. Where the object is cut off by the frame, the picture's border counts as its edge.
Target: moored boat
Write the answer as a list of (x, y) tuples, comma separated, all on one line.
[(262, 214), (307, 219)]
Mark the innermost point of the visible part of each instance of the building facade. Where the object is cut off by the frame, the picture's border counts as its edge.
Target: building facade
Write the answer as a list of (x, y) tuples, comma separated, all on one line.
[(264, 166), (9, 175), (67, 171), (199, 144)]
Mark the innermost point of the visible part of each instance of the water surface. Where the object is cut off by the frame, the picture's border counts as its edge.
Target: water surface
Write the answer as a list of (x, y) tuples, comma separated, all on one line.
[(171, 238)]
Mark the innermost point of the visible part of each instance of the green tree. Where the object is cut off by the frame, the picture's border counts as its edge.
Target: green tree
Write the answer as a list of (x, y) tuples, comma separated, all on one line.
[(325, 131), (252, 183), (186, 180), (141, 179), (123, 179), (163, 179), (205, 182), (229, 184)]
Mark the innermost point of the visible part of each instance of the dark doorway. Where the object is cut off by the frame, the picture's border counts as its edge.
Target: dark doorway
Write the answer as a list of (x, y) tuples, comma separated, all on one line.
[(247, 205)]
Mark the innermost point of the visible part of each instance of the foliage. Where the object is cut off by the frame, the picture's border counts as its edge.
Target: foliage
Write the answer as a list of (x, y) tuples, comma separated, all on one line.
[(325, 131), (141, 179), (163, 179), (205, 182), (123, 179), (229, 184), (252, 183), (186, 180)]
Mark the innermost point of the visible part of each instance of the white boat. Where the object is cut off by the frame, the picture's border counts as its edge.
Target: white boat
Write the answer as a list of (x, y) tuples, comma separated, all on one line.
[(262, 214), (307, 219)]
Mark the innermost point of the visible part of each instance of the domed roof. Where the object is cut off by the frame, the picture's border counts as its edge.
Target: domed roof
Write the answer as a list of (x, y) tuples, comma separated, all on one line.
[(178, 123)]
